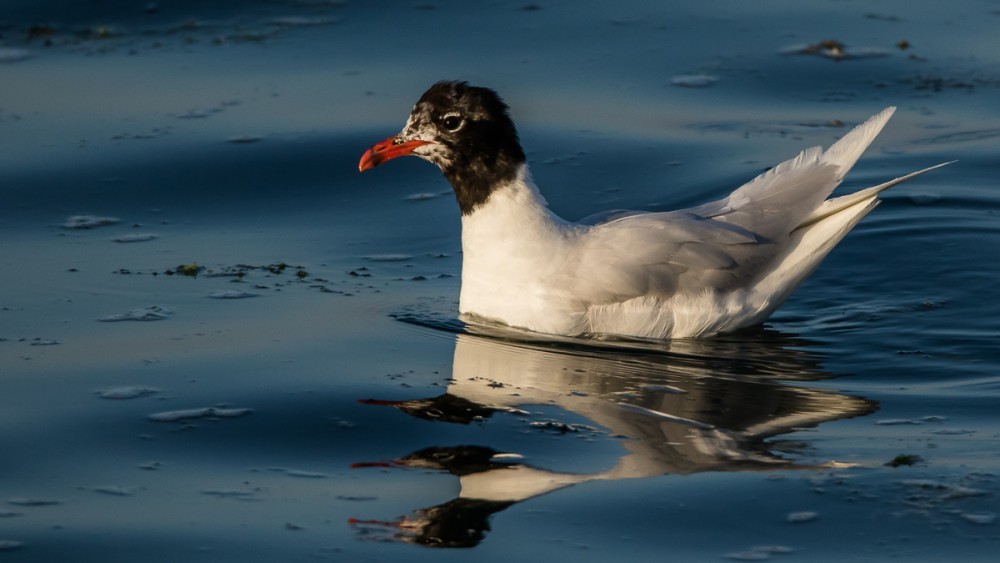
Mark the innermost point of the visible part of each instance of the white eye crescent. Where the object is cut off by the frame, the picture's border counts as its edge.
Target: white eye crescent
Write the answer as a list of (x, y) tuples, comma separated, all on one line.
[(452, 121)]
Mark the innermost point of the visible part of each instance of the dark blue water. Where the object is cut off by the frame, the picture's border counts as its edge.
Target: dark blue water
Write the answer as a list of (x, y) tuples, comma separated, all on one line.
[(338, 409)]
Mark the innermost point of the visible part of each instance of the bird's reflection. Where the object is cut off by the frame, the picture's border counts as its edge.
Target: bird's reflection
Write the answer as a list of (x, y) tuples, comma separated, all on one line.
[(681, 407)]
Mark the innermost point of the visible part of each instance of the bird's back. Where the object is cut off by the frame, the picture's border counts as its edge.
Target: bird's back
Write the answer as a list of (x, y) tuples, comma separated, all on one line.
[(726, 264)]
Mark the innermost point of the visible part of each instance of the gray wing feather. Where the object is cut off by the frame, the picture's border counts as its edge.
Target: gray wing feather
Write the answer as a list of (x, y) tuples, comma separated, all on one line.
[(721, 245)]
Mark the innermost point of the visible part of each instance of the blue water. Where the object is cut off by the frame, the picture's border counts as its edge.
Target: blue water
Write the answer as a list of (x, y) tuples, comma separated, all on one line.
[(344, 413)]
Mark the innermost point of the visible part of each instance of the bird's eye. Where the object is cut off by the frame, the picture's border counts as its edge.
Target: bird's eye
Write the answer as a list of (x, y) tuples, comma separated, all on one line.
[(452, 122)]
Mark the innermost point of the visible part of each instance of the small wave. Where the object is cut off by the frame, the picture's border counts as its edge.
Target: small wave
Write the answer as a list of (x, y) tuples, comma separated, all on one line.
[(960, 137), (432, 320)]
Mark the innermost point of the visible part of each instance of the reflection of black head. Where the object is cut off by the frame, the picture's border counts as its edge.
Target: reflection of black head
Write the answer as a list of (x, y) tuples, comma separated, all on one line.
[(444, 408), (460, 522), (457, 460)]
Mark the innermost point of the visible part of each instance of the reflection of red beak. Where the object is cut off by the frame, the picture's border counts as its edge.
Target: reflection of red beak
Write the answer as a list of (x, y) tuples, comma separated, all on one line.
[(388, 150)]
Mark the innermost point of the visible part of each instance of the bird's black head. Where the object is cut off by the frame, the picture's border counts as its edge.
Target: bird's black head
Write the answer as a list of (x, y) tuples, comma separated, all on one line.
[(467, 132)]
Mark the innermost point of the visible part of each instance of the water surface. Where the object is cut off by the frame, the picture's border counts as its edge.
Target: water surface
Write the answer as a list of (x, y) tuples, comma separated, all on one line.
[(309, 393)]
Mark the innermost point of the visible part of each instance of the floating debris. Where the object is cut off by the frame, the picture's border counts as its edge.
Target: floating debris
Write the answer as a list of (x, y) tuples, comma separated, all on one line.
[(10, 545), (801, 517), (9, 513), (191, 414), (127, 392), (135, 238), (151, 313), (88, 222), (694, 80), (150, 466), (232, 294), (833, 49), (904, 459), (191, 269), (45, 342)]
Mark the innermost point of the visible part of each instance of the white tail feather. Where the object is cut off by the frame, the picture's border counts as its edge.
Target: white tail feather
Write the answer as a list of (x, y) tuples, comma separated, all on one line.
[(834, 205)]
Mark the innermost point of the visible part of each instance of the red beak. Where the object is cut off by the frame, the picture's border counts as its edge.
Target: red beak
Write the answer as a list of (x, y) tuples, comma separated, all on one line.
[(388, 150)]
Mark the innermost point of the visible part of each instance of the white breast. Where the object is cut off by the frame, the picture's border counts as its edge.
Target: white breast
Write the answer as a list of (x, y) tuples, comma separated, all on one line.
[(514, 250)]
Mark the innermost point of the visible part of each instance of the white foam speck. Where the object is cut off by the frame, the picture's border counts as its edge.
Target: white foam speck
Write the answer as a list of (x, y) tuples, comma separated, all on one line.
[(88, 221), (151, 313), (801, 517), (981, 518), (232, 294), (126, 392)]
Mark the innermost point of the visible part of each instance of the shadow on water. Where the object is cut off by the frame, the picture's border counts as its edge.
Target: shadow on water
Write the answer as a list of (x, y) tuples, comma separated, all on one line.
[(679, 407)]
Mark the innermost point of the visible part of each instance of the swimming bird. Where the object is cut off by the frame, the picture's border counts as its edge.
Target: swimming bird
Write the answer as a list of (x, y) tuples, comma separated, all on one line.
[(714, 268)]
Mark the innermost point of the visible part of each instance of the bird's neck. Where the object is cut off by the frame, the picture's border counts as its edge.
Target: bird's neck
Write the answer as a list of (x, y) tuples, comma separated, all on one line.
[(511, 207), (512, 247), (475, 178)]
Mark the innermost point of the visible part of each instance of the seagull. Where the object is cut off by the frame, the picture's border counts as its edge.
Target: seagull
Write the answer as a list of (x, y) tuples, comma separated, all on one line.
[(695, 272)]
